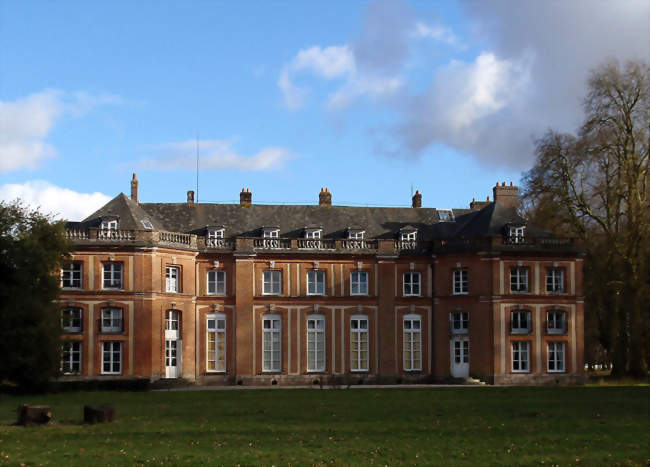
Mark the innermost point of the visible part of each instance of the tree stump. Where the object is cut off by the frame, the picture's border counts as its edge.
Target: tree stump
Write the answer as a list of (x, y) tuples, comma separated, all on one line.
[(98, 414), (33, 414)]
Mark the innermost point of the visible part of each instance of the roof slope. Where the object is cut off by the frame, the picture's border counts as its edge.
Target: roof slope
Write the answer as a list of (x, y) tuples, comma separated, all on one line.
[(130, 214)]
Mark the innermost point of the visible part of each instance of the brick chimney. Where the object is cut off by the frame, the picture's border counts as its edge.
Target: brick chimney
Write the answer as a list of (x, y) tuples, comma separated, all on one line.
[(417, 199), (478, 205), (325, 197), (245, 197), (134, 188), (190, 197), (506, 195)]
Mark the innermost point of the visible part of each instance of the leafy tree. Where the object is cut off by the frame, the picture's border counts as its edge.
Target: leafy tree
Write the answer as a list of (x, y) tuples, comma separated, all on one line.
[(595, 185), (32, 249)]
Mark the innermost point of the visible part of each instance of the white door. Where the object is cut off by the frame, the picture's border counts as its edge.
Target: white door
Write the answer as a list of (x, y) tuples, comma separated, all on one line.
[(173, 345), (459, 353)]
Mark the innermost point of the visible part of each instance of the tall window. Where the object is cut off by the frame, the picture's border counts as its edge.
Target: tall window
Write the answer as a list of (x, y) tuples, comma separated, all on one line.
[(359, 283), (171, 279), (71, 319), (217, 282), (71, 358), (71, 275), (111, 358), (272, 283), (172, 320), (555, 357), (111, 320), (519, 280), (555, 280), (316, 283), (556, 322), (216, 343), (411, 285), (359, 343), (520, 357), (412, 340), (461, 283), (315, 343), (460, 322), (272, 343), (112, 275), (520, 322)]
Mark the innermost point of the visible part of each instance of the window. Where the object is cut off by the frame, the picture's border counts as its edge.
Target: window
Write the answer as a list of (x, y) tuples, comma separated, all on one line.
[(111, 358), (446, 215), (459, 322), (359, 283), (313, 233), (315, 343), (359, 343), (408, 236), (111, 320), (356, 234), (316, 283), (216, 282), (71, 275), (519, 280), (71, 358), (172, 320), (411, 342), (214, 234), (460, 280), (272, 283), (109, 224), (517, 234), (272, 343), (411, 286), (112, 276), (556, 322), (555, 280), (171, 279), (520, 357), (271, 233), (555, 357), (216, 343), (520, 322), (147, 224), (71, 319)]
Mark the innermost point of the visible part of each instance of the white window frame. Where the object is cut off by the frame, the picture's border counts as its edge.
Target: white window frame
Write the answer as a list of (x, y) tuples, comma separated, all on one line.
[(217, 284), (115, 318), (316, 343), (215, 326), (110, 225), (271, 233), (356, 234), (272, 282), (460, 318), (520, 356), (215, 234), (555, 280), (272, 343), (115, 272), (357, 285), (448, 215), (112, 348), (519, 278), (517, 234), (72, 350), (408, 236), (412, 328), (516, 320), (460, 281), (357, 323), (556, 357), (316, 281), (313, 233), (410, 281), (72, 273), (147, 224), (556, 322), (67, 322), (172, 320), (172, 279)]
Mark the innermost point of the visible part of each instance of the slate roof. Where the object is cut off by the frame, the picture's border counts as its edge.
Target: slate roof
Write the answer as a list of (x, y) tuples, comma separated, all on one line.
[(129, 213)]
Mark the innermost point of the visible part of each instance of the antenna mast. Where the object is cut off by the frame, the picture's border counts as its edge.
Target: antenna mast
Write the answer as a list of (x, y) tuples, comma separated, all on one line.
[(197, 167)]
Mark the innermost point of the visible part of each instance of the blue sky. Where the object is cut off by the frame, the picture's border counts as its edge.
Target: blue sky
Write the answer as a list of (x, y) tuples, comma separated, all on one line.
[(366, 98)]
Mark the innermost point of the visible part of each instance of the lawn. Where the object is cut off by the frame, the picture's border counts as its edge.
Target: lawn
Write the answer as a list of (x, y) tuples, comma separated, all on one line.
[(471, 426)]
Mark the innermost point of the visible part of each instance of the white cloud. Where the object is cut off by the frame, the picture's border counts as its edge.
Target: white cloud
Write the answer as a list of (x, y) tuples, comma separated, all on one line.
[(215, 155), (26, 123), (371, 86), (435, 31), (51, 199), (328, 62)]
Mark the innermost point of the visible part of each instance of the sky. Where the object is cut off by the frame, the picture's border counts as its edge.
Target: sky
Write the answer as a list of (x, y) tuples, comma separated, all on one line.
[(372, 99)]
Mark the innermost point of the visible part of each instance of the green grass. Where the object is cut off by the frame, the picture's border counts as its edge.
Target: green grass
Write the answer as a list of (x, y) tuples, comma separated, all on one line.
[(472, 426)]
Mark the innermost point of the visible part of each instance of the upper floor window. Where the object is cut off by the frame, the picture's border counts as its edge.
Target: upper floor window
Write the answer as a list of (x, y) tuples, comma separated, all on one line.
[(359, 283), (109, 224), (460, 280), (412, 342), (408, 236), (271, 233), (71, 275), (411, 286), (172, 320), (111, 320), (172, 274), (446, 215), (520, 322), (359, 343), (356, 234), (112, 275), (216, 282), (316, 283), (519, 279), (216, 340), (555, 280), (272, 283), (313, 233), (71, 319), (517, 234), (556, 322), (459, 322), (272, 343), (315, 343)]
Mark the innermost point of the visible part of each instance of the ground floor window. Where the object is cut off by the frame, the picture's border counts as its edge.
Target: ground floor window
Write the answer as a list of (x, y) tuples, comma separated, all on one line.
[(111, 358), (520, 357), (412, 340), (359, 343), (216, 339), (315, 343), (71, 358), (272, 343), (555, 357)]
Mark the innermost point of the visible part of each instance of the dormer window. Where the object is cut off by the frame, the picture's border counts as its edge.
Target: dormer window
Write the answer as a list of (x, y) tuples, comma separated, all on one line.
[(271, 232), (408, 236), (446, 215), (313, 233), (516, 234), (214, 234), (356, 234), (109, 224), (147, 224)]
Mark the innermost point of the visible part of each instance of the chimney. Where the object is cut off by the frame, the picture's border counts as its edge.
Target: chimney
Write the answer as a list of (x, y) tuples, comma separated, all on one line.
[(245, 197), (190, 197), (325, 197), (508, 196), (134, 188), (478, 205), (417, 199)]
